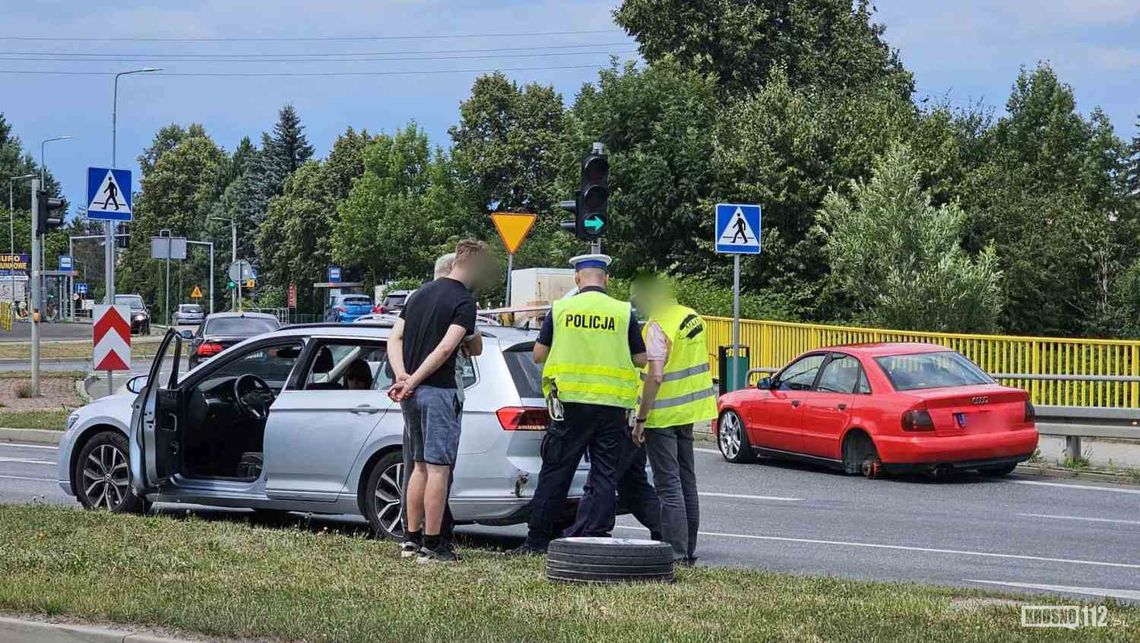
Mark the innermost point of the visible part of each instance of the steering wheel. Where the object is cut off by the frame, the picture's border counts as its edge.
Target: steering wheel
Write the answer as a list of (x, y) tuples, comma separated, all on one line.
[(252, 396)]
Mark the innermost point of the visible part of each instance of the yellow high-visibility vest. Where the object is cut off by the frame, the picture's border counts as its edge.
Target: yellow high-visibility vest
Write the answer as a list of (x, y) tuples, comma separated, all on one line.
[(589, 361), (686, 394)]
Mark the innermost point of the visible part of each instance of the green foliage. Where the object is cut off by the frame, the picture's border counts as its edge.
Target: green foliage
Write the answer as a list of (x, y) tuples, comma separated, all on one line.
[(897, 257), (711, 298), (828, 44)]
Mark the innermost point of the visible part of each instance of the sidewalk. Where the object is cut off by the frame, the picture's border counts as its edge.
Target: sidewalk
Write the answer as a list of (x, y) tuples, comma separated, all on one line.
[(16, 629), (1100, 454)]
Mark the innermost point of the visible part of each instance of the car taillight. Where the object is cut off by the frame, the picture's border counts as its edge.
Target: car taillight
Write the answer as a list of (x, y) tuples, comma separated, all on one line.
[(379, 310), (523, 418), (917, 420), (1030, 413), (208, 349)]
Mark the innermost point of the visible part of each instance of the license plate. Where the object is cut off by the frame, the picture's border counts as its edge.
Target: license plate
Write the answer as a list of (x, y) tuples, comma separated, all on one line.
[(961, 419)]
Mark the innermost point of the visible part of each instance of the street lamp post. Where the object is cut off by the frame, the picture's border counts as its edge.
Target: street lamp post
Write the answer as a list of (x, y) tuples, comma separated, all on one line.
[(109, 233)]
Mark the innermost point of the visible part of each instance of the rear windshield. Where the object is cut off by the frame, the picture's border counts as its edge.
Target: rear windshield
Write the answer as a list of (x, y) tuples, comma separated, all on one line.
[(356, 301), (134, 301), (190, 308), (395, 300), (239, 326), (526, 374), (931, 370)]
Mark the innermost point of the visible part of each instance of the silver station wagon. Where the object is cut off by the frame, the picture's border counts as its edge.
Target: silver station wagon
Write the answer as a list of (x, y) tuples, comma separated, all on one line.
[(271, 424)]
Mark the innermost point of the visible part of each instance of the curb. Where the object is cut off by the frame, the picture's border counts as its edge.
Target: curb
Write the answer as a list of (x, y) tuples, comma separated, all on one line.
[(31, 436), (1070, 474), (15, 629)]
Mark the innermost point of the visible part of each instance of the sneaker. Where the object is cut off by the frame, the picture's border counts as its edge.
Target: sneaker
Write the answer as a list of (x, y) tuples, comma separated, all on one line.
[(442, 554), (527, 549), (409, 548)]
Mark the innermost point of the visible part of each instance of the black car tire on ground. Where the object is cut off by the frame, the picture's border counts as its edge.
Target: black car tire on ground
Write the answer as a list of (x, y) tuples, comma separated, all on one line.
[(368, 501), (609, 560), (106, 452)]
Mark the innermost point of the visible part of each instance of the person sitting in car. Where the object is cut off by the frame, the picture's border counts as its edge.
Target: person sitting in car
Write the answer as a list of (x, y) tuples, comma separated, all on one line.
[(358, 376)]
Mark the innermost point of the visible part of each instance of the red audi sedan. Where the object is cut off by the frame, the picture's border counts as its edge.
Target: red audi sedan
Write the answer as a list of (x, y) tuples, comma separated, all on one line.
[(881, 408)]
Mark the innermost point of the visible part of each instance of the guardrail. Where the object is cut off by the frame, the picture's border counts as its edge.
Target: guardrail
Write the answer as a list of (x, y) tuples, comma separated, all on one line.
[(1069, 422), (1056, 371)]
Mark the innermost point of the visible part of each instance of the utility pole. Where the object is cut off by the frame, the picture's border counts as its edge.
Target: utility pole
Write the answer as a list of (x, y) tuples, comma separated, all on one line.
[(234, 295), (35, 284)]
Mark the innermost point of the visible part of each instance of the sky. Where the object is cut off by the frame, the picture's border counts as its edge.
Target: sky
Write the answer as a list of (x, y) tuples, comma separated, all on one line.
[(415, 60)]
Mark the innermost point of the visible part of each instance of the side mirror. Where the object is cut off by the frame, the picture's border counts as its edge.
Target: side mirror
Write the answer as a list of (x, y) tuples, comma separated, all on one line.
[(764, 383), (186, 333), (138, 383)]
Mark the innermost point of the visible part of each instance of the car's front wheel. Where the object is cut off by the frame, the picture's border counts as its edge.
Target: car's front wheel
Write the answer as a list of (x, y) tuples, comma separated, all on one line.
[(383, 496), (102, 475), (732, 439)]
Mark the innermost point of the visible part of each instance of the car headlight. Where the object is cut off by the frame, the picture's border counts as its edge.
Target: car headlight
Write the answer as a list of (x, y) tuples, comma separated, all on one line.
[(72, 419), (140, 317)]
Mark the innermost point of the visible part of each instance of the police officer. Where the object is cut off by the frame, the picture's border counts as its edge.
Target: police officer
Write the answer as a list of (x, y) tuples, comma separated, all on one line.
[(591, 350), (678, 391)]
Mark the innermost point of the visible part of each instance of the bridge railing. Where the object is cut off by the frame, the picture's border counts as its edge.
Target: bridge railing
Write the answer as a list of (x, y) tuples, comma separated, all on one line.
[(1055, 371)]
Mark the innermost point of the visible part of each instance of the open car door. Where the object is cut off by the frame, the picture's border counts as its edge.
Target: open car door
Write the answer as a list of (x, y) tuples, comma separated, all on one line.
[(155, 434)]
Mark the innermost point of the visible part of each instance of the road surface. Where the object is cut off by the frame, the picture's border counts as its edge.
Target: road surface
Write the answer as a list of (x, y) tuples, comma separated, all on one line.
[(1017, 534)]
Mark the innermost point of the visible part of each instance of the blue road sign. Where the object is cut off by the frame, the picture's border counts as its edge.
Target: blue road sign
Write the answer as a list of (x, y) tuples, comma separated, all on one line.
[(81, 287), (334, 274), (108, 194), (737, 229), (65, 262)]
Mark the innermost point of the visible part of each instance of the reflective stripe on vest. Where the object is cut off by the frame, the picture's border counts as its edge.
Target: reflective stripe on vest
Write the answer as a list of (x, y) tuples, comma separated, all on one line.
[(589, 361), (686, 394)]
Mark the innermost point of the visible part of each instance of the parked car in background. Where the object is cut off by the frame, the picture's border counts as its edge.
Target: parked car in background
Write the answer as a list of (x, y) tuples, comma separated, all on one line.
[(222, 330), (140, 315), (881, 408), (271, 424), (189, 314), (393, 302), (344, 309)]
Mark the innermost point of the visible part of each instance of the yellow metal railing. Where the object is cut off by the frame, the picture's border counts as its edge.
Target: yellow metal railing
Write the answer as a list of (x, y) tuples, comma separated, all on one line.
[(6, 316), (774, 344)]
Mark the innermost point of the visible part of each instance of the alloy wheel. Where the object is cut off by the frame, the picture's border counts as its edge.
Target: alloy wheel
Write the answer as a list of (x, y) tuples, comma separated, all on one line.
[(729, 435), (106, 476), (388, 494)]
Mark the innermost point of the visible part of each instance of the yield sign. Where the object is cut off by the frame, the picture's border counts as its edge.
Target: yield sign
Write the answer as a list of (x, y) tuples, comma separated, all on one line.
[(112, 336), (513, 228)]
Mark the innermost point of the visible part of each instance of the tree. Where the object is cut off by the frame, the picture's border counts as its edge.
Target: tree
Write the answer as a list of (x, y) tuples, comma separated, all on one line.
[(828, 44), (899, 257), (401, 214)]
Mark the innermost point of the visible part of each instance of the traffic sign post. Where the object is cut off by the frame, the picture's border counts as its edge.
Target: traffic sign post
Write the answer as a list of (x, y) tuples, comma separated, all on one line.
[(81, 288), (737, 232), (334, 274), (114, 188), (239, 272), (513, 228)]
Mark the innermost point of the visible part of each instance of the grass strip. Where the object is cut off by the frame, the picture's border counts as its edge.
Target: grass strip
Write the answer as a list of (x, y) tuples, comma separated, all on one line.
[(50, 419), (228, 578), (68, 350)]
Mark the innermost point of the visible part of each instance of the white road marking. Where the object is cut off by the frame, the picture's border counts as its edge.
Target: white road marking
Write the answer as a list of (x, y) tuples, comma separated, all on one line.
[(747, 497), (21, 445), (1084, 518), (27, 478), (1128, 594), (1083, 487), (925, 550), (26, 461), (713, 451)]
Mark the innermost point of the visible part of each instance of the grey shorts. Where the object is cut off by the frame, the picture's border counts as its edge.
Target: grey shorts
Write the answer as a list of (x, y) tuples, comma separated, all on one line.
[(432, 425)]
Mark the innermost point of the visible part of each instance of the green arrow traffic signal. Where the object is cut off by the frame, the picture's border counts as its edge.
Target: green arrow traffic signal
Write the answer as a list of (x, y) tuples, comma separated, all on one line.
[(594, 223)]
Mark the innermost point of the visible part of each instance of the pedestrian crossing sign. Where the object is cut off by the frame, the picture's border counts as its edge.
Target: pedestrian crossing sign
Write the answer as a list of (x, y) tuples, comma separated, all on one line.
[(737, 229), (108, 194)]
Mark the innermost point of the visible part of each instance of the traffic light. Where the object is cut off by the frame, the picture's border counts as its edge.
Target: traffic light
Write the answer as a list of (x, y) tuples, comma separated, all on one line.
[(591, 202), (51, 212)]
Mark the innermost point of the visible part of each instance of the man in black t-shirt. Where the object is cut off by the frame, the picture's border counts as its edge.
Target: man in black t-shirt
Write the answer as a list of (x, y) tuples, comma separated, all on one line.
[(422, 350)]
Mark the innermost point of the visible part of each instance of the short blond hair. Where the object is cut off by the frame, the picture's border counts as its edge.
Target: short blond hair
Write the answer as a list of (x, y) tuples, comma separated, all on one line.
[(444, 264), (469, 249)]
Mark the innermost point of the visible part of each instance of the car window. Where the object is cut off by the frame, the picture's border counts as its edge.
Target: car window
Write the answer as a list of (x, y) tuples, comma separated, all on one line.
[(134, 302), (239, 326), (863, 387), (931, 370), (526, 374), (800, 375), (840, 375), (356, 301), (271, 363), (349, 364), (190, 308)]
